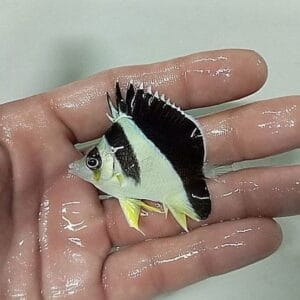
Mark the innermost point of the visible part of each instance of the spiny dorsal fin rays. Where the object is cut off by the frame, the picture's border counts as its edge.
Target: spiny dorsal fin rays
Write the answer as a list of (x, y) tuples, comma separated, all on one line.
[(126, 105), (114, 113), (121, 103), (130, 97), (141, 87), (149, 90), (118, 93)]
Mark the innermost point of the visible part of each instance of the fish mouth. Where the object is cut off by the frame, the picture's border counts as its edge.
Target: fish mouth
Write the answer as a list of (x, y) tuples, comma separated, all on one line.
[(79, 169), (75, 168)]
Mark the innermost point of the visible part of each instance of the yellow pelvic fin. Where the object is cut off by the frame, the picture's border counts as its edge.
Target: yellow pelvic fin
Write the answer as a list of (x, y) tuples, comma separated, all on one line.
[(149, 207), (165, 210), (132, 208)]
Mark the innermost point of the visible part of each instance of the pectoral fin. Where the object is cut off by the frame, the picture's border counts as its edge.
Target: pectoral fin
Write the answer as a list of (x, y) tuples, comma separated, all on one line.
[(132, 208)]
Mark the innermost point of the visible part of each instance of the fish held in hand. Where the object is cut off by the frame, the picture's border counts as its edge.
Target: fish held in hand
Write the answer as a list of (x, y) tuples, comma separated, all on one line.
[(153, 151)]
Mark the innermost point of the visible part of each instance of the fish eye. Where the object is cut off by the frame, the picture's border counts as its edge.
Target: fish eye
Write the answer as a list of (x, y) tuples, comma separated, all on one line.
[(93, 159), (92, 163)]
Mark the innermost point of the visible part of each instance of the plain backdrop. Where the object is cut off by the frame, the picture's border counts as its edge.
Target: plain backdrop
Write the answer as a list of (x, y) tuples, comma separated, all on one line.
[(44, 44)]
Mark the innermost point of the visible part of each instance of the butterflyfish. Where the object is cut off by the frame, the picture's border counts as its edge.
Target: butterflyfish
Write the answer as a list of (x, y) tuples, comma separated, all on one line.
[(152, 151)]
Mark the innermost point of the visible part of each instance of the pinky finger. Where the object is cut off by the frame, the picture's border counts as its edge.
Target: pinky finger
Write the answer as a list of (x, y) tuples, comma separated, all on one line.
[(157, 266)]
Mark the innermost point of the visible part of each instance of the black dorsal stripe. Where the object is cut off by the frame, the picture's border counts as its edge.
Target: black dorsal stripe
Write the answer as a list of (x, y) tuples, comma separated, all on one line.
[(116, 137), (178, 138)]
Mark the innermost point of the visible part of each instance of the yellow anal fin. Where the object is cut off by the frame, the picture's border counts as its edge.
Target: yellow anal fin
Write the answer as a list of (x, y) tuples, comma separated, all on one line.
[(180, 211), (180, 218), (191, 214)]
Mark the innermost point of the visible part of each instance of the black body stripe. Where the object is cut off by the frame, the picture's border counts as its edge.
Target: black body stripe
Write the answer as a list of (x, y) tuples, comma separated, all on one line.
[(199, 197), (185, 154), (116, 137)]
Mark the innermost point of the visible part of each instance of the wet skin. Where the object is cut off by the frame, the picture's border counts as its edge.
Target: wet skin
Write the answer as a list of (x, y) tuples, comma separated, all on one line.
[(56, 236)]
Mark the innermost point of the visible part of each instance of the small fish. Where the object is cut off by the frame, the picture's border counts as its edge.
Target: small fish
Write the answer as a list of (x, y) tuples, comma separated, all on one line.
[(153, 151)]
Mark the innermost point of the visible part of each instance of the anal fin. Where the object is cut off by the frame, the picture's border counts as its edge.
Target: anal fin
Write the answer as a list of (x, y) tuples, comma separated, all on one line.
[(180, 218), (180, 210)]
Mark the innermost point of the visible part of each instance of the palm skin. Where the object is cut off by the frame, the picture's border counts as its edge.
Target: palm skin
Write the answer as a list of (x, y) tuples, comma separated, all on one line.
[(56, 234)]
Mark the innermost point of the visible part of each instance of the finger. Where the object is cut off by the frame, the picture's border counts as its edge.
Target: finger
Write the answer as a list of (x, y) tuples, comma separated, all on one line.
[(5, 203), (268, 192), (161, 265), (73, 240), (196, 80), (253, 131)]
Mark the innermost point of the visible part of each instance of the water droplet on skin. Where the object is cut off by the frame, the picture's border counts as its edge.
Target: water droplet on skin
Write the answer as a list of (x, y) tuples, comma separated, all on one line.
[(234, 245), (223, 72), (79, 99), (168, 257), (72, 286), (43, 224), (73, 226), (77, 241), (278, 119), (70, 224), (243, 186), (223, 128), (105, 283)]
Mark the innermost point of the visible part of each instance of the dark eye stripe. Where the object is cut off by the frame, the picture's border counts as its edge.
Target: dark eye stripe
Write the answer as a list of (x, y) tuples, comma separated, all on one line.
[(94, 155)]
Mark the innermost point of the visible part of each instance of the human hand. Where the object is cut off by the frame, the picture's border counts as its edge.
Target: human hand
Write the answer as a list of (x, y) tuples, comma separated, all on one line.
[(56, 235)]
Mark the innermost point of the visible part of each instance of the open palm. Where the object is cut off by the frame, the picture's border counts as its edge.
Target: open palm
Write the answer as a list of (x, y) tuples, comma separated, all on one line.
[(56, 236)]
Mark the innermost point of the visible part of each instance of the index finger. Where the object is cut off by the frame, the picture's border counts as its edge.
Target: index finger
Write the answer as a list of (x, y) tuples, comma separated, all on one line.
[(197, 80)]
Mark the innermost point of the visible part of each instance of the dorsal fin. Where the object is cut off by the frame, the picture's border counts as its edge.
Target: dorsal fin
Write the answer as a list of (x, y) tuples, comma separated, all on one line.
[(176, 134), (121, 103)]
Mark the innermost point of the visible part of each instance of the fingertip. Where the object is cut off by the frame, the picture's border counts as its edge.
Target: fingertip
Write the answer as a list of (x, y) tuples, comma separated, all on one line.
[(274, 236), (263, 237), (261, 67), (251, 72)]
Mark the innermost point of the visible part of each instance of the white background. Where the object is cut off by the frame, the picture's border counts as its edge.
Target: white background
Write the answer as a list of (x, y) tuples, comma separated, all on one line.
[(44, 44)]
